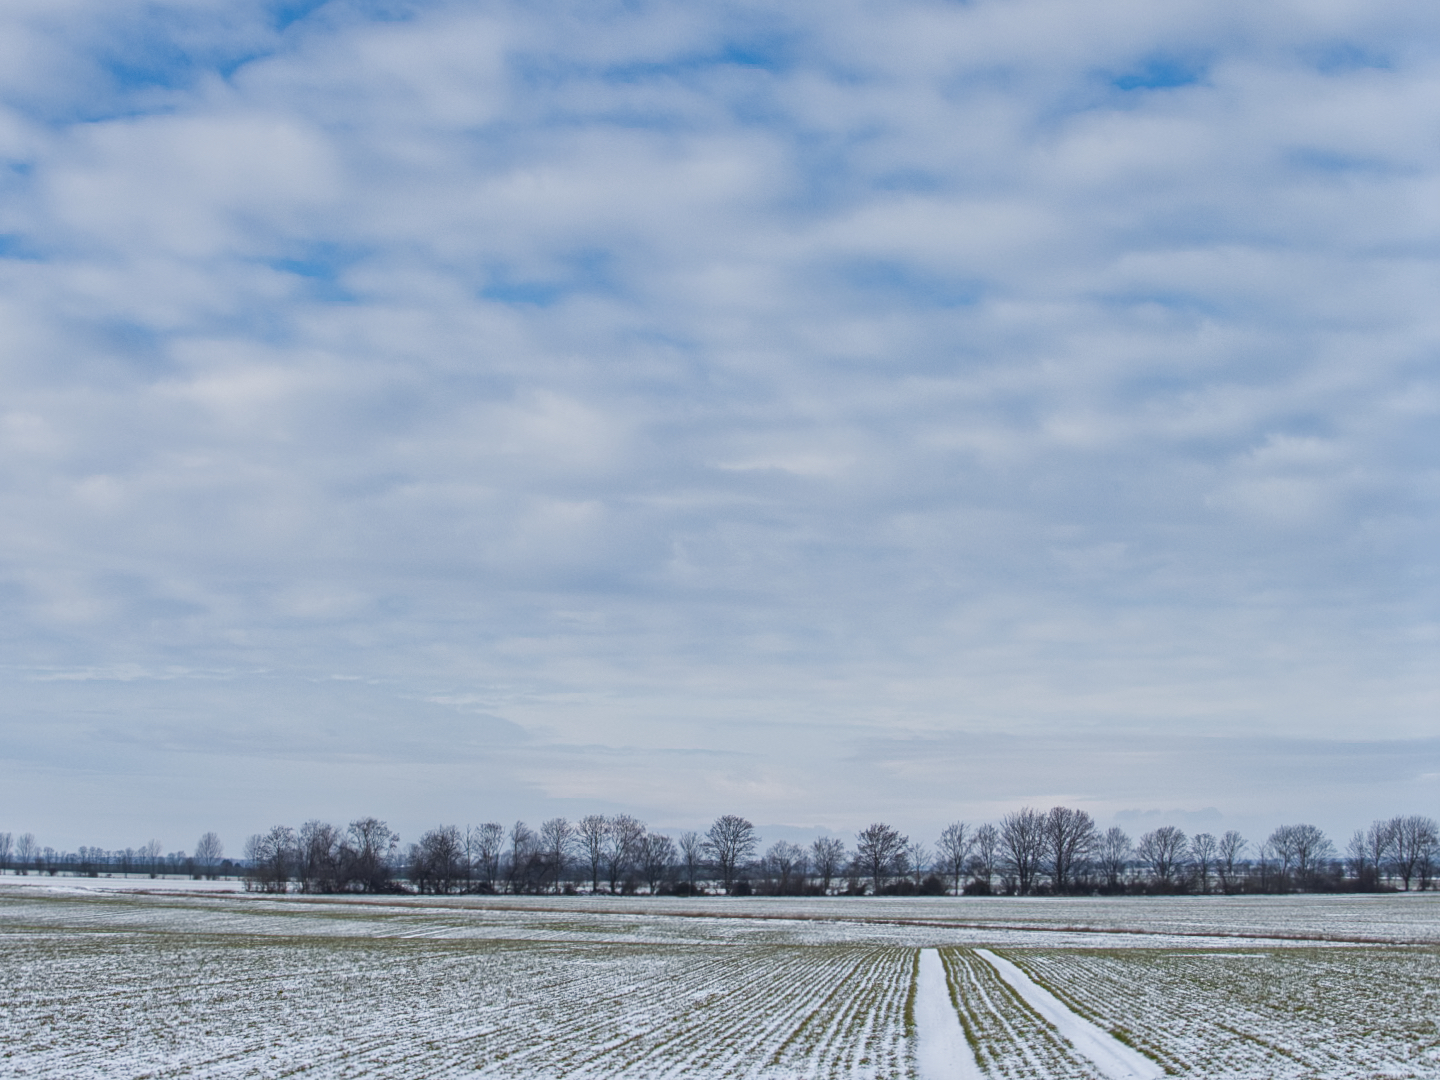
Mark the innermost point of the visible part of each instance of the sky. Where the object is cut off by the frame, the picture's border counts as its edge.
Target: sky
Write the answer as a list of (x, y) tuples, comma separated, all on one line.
[(820, 412)]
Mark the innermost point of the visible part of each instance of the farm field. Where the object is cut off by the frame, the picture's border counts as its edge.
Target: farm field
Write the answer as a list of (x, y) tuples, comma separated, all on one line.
[(1297, 1013), (107, 983)]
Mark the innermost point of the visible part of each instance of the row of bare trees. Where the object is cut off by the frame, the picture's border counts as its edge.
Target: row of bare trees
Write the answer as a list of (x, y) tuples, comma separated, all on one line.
[(23, 855), (618, 854), (1026, 852), (322, 858), (1400, 849), (1063, 851)]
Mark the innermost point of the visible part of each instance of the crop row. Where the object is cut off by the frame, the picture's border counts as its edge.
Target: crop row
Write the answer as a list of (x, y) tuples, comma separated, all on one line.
[(1337, 1013), (1009, 1040), (96, 1002)]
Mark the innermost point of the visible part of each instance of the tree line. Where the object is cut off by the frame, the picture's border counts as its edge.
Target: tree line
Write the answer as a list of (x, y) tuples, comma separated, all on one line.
[(24, 855), (1027, 852)]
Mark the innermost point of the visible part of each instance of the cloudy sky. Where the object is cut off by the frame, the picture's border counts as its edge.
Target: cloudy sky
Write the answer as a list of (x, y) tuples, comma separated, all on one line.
[(817, 411)]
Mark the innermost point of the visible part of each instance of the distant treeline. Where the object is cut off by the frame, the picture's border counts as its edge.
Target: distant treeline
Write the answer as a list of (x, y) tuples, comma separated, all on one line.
[(1027, 853)]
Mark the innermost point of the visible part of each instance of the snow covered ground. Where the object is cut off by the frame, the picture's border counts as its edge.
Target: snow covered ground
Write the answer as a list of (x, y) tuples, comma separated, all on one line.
[(122, 983), (1113, 922), (121, 883), (941, 1050)]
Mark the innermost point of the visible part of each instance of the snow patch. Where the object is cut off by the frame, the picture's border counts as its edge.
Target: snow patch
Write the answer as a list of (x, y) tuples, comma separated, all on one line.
[(942, 1052)]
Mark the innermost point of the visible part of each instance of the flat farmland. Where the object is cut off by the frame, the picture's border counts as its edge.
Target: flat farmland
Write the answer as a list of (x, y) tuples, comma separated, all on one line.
[(113, 983)]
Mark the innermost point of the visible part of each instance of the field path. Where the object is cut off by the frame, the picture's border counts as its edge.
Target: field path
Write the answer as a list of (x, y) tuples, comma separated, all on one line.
[(1110, 1055), (942, 1053)]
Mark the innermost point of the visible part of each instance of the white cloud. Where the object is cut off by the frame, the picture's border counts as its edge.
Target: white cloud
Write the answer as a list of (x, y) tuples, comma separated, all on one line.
[(668, 377)]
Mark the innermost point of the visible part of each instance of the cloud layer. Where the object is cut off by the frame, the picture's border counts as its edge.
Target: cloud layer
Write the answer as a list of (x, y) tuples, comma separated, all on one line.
[(696, 408)]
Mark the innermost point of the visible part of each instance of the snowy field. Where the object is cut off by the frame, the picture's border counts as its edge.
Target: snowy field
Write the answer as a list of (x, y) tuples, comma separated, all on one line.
[(165, 983)]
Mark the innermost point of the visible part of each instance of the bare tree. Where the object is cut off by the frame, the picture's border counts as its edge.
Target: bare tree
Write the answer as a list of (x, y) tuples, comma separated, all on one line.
[(89, 862), (208, 853), (1069, 840), (557, 837), (594, 830), (879, 849), (1115, 854), (1357, 860), (900, 868), (367, 854), (800, 869), (271, 857), (1413, 838), (827, 856), (1299, 849), (5, 842), (151, 853), (917, 862), (1164, 851), (1203, 847), (987, 854), (1429, 857), (437, 862), (952, 852), (729, 841), (1282, 849), (27, 851), (1022, 846), (1380, 840), (488, 841), (1312, 851), (692, 856), (1264, 865), (522, 848), (657, 858), (788, 863), (622, 847), (1368, 852), (1227, 860), (319, 857)]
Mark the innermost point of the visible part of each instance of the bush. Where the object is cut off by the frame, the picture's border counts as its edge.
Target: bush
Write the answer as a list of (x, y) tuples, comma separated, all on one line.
[(932, 886)]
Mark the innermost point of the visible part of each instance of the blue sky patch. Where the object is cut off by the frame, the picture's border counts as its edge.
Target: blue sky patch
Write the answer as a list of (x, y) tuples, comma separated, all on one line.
[(1344, 57), (1160, 73), (286, 13), (534, 293), (321, 266), (896, 282)]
